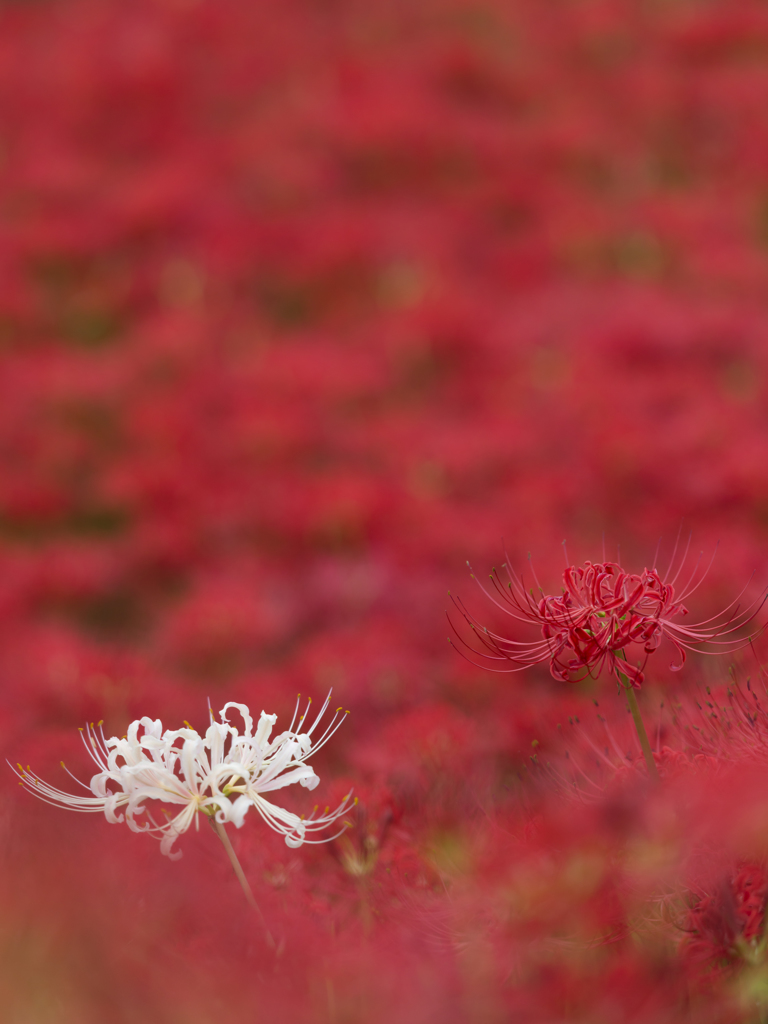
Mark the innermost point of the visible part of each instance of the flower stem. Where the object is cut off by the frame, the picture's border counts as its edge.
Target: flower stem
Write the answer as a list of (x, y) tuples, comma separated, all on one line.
[(642, 735), (221, 832)]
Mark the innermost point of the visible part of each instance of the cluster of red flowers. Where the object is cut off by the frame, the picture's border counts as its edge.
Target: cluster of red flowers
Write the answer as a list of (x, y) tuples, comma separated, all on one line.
[(301, 306)]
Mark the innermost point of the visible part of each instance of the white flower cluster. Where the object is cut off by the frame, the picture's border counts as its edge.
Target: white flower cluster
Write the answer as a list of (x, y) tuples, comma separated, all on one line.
[(221, 774)]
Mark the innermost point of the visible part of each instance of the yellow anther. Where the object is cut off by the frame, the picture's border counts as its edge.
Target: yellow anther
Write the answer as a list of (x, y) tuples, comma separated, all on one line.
[(80, 728), (355, 804), (187, 724), (62, 764), (100, 722)]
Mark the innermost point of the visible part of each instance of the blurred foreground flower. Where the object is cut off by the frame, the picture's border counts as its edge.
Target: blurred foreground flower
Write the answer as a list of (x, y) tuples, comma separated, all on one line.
[(221, 775), (728, 924)]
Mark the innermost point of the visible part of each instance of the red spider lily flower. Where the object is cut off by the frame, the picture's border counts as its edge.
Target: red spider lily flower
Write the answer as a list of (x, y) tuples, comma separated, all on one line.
[(603, 611)]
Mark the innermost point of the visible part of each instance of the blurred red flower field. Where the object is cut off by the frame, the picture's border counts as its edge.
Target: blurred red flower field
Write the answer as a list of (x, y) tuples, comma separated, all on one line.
[(302, 307)]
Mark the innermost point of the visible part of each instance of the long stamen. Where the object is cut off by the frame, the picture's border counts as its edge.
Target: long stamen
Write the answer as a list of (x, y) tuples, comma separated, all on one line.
[(295, 710)]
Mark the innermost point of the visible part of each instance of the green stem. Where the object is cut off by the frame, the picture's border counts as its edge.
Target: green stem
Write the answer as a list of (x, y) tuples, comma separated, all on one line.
[(221, 832), (642, 735)]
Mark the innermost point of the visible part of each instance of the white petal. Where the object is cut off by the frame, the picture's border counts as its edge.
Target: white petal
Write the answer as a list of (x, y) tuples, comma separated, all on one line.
[(238, 810), (303, 774), (243, 709), (265, 727)]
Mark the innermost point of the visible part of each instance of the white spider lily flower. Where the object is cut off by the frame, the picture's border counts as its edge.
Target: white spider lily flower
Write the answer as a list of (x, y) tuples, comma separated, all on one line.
[(221, 775), (266, 765)]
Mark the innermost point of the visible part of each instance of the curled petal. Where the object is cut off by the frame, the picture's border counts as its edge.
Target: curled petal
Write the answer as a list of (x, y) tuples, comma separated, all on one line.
[(243, 709), (237, 811)]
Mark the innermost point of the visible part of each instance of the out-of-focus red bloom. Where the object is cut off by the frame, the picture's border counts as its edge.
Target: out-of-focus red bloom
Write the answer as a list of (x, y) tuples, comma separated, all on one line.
[(724, 925), (601, 612)]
